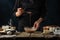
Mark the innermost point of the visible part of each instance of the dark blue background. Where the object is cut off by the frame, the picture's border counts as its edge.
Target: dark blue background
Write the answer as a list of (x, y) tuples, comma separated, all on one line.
[(53, 16), (6, 7)]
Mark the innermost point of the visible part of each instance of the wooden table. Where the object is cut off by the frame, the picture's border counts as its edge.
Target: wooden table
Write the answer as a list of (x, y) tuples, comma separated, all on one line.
[(28, 36)]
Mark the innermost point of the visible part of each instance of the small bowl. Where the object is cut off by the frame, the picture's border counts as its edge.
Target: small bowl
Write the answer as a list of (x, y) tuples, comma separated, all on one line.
[(29, 30)]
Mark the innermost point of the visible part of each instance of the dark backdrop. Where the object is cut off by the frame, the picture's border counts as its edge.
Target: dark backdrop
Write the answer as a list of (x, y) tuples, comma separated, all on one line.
[(53, 16), (6, 7)]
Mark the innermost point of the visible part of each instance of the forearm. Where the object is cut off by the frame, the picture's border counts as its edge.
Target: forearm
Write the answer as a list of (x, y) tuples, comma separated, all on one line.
[(40, 20)]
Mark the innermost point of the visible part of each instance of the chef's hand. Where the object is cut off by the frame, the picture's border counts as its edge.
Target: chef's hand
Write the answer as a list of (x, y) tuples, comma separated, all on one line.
[(37, 23), (19, 12)]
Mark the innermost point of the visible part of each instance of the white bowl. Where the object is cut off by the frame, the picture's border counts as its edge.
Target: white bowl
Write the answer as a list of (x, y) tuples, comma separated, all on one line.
[(29, 30)]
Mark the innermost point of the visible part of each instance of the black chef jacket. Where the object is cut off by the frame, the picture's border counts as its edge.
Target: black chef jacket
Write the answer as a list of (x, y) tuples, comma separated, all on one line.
[(38, 9)]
